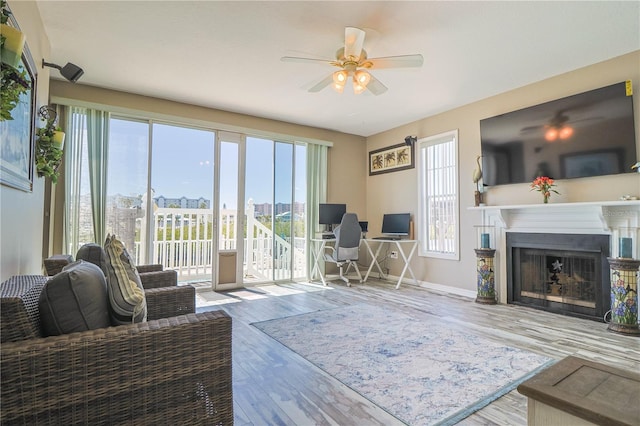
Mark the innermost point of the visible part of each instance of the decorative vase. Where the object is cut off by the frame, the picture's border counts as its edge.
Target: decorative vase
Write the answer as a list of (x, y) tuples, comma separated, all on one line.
[(13, 45), (624, 296), (546, 198), (485, 276)]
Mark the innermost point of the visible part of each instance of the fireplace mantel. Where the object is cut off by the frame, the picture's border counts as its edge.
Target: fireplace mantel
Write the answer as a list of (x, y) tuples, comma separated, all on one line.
[(599, 217)]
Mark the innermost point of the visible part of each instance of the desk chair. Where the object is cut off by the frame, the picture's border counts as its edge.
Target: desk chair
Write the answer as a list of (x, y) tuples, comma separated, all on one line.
[(345, 251)]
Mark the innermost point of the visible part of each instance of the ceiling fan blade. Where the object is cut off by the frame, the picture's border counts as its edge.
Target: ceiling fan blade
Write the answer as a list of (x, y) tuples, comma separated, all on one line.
[(353, 41), (305, 60), (376, 87), (324, 83), (404, 61)]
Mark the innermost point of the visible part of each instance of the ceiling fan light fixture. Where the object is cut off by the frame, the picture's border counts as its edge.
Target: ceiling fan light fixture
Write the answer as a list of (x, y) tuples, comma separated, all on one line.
[(362, 77), (338, 87), (340, 77), (357, 87)]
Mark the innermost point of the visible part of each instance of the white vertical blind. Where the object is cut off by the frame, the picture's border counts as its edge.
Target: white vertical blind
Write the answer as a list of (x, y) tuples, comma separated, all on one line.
[(438, 192)]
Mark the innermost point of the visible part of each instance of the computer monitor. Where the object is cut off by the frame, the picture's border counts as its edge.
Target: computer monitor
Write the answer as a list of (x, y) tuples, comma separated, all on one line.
[(331, 214), (396, 224)]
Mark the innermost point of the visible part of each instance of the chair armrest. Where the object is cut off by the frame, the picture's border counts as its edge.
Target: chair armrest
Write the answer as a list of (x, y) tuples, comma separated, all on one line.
[(149, 268), (171, 371), (157, 279), (165, 302)]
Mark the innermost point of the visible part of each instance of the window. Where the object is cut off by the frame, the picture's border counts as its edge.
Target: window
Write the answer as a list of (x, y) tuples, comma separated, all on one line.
[(438, 196)]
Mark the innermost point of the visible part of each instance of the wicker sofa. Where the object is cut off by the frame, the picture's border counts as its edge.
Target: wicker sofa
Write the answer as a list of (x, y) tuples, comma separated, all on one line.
[(173, 369)]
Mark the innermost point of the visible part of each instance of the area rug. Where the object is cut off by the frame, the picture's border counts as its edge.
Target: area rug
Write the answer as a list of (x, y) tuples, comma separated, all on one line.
[(417, 367)]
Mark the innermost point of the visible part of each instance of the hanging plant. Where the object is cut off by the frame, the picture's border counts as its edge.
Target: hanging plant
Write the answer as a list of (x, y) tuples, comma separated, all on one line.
[(49, 145), (14, 81)]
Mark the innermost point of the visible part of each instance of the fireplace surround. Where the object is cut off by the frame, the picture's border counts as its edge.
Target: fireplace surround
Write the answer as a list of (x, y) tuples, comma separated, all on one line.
[(570, 223)]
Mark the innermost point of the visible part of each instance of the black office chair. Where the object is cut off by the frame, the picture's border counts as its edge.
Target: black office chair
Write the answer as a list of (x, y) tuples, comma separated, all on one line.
[(345, 251)]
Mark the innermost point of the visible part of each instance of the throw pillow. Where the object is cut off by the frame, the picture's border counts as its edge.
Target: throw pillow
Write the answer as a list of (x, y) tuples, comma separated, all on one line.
[(74, 300), (94, 253), (126, 294)]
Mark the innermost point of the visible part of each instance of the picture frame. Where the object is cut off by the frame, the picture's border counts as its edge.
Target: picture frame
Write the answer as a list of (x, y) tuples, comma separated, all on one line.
[(391, 159), (592, 163), (18, 135)]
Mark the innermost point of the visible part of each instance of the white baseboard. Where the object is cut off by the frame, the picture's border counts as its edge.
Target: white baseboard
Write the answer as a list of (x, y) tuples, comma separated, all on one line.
[(433, 286), (448, 289)]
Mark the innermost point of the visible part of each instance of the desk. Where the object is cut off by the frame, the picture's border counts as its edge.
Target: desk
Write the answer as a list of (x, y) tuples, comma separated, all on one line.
[(413, 245)]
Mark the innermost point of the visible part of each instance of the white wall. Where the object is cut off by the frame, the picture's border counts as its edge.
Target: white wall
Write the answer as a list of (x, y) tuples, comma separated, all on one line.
[(397, 192), (21, 212)]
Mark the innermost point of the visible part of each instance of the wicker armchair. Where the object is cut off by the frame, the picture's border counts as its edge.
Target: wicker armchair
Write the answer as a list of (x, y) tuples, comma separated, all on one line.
[(169, 370)]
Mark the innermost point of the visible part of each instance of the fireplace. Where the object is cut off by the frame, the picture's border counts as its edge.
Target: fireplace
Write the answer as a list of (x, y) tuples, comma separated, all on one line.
[(561, 273)]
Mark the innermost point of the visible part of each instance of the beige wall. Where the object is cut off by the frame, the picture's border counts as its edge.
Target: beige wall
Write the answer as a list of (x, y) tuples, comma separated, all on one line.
[(21, 212), (397, 192)]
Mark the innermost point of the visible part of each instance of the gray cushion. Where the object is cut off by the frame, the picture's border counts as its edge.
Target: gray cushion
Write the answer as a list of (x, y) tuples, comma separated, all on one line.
[(126, 294), (95, 254), (74, 300)]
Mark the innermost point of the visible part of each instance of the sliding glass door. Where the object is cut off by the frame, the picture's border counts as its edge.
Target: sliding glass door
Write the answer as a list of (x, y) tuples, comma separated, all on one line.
[(275, 194), (182, 191), (220, 208)]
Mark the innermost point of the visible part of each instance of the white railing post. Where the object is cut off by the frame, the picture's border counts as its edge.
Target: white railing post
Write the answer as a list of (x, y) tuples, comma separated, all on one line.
[(250, 248)]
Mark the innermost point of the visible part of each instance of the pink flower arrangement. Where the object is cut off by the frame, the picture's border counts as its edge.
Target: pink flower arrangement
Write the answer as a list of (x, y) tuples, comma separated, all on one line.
[(544, 185)]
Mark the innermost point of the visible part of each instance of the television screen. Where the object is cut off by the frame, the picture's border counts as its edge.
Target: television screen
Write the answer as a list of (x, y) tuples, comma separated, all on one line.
[(396, 224), (589, 134), (331, 214)]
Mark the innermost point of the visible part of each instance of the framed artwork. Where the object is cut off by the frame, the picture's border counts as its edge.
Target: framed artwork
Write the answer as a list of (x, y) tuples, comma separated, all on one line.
[(592, 163), (18, 135), (391, 159)]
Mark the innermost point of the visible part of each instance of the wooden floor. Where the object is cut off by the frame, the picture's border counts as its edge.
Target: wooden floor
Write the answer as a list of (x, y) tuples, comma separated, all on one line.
[(274, 386)]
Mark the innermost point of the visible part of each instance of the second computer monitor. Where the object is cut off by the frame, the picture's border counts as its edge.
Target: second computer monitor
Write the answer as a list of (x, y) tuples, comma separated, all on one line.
[(396, 224)]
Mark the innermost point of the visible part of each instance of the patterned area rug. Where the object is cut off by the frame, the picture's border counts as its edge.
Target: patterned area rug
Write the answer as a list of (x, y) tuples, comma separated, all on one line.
[(418, 368)]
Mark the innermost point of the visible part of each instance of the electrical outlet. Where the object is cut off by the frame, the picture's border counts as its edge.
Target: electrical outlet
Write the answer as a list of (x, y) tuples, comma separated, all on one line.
[(393, 254)]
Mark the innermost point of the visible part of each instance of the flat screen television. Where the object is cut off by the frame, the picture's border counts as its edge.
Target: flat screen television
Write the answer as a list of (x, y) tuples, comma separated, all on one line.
[(588, 134), (396, 224), (331, 214)]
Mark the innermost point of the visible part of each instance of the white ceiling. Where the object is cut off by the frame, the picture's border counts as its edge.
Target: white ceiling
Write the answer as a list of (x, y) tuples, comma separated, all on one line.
[(226, 55)]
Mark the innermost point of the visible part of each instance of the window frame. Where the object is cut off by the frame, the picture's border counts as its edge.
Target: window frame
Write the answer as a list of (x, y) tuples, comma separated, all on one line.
[(423, 224)]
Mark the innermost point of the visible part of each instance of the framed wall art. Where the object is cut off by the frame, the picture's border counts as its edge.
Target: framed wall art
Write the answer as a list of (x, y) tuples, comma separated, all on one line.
[(391, 159), (18, 134)]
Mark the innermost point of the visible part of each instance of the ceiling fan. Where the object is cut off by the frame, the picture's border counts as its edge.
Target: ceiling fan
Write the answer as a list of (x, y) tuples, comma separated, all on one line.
[(353, 63)]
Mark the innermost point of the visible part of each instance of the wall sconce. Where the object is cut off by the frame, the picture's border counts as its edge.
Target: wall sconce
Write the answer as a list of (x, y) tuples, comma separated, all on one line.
[(71, 72), (410, 140)]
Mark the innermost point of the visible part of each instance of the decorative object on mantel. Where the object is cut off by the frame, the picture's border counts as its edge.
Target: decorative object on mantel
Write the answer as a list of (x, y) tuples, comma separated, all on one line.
[(49, 145), (15, 81), (544, 185), (636, 167), (477, 175), (624, 296)]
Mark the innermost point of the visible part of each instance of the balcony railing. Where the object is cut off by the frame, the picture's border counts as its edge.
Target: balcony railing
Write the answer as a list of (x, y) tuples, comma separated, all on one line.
[(182, 241)]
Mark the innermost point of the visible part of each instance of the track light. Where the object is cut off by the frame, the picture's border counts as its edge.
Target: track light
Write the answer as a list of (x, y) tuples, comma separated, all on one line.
[(410, 140), (71, 72)]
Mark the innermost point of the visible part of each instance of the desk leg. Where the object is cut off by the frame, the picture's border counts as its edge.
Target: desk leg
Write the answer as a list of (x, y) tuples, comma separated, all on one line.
[(407, 260), (316, 259), (374, 261)]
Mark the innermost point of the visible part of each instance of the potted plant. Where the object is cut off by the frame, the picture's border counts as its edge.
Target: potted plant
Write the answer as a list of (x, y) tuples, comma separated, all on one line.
[(13, 77), (49, 145)]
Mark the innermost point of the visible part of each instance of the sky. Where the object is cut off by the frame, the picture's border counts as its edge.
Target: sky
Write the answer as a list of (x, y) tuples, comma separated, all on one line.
[(183, 164)]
